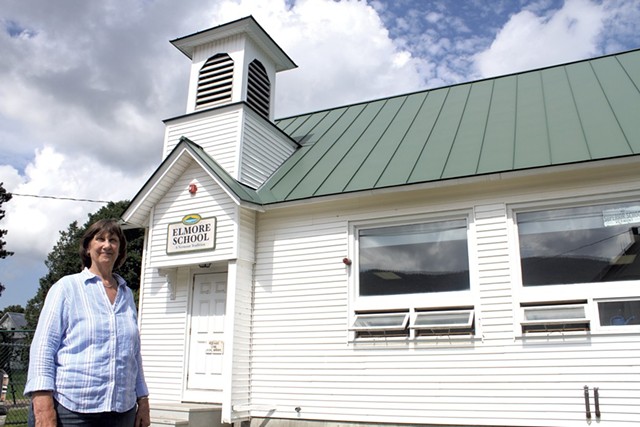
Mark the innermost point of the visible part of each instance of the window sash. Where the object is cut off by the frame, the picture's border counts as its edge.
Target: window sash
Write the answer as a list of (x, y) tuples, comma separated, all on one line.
[(619, 313), (450, 319), (380, 322), (579, 245), (555, 314), (419, 258)]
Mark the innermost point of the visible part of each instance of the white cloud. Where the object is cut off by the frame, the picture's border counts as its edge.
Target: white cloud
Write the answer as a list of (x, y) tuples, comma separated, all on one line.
[(33, 222), (529, 41), (343, 51), (9, 176)]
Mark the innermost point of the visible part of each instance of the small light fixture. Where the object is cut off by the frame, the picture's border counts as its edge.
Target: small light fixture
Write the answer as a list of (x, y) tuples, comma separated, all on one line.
[(346, 261), (205, 265), (193, 188)]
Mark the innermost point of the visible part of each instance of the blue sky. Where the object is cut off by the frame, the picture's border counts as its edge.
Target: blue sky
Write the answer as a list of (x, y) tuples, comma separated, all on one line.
[(85, 86)]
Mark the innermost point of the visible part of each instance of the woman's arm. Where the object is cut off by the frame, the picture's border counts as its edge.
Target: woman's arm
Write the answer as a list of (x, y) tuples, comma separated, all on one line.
[(43, 410), (46, 342), (143, 416)]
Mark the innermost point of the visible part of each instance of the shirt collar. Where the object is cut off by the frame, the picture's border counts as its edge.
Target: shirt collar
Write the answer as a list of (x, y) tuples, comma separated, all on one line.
[(89, 277)]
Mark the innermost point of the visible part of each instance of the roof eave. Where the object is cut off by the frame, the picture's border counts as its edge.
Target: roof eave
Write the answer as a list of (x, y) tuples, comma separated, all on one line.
[(137, 213), (247, 25)]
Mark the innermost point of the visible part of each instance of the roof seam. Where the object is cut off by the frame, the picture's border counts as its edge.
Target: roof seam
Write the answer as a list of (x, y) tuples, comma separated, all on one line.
[(546, 118), (308, 148), (575, 104), (486, 124), (615, 116), (455, 135), (402, 139), (627, 73), (326, 152), (354, 143), (311, 148), (377, 142), (515, 124), (424, 146)]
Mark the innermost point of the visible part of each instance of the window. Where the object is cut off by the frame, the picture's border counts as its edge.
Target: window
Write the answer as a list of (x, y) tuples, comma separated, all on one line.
[(587, 244), (415, 258), (412, 280), (580, 267), (259, 88), (214, 82), (441, 322), (555, 317), (619, 313), (381, 324)]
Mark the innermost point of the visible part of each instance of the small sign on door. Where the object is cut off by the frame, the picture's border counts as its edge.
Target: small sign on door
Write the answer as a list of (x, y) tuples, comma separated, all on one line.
[(215, 347)]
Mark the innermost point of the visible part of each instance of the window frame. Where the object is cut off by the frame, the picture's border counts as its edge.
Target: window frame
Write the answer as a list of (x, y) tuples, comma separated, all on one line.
[(452, 325), (590, 293), (413, 302), (393, 327)]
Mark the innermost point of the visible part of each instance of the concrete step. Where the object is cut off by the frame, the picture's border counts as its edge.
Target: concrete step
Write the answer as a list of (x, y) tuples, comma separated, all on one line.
[(168, 422), (178, 414)]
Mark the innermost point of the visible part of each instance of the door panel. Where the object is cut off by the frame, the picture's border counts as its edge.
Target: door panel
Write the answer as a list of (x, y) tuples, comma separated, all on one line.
[(206, 338)]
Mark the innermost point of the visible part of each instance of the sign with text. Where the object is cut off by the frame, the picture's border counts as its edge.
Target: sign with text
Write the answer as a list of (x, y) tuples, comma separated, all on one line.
[(194, 233), (621, 216)]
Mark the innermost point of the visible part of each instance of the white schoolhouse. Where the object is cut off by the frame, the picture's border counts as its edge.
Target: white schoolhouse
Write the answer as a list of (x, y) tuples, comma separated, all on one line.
[(460, 256)]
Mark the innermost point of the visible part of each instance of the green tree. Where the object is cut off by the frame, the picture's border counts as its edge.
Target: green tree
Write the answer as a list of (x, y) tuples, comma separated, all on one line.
[(64, 259), (4, 197)]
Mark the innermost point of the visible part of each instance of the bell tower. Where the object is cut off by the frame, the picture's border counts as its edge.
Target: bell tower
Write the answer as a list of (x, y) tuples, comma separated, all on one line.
[(233, 62), (230, 104)]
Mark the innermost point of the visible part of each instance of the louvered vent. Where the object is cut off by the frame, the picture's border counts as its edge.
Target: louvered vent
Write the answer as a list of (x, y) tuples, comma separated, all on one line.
[(259, 88), (214, 81)]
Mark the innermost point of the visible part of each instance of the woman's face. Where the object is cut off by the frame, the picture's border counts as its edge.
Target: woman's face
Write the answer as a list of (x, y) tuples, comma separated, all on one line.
[(103, 249)]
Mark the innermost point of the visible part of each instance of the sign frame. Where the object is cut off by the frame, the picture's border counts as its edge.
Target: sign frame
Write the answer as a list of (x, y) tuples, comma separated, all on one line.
[(192, 234)]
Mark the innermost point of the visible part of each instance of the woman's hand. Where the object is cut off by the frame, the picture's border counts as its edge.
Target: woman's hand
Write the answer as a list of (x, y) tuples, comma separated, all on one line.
[(143, 416), (43, 410)]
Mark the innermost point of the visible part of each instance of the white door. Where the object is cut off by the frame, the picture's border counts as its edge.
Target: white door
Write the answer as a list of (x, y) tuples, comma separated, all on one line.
[(206, 345)]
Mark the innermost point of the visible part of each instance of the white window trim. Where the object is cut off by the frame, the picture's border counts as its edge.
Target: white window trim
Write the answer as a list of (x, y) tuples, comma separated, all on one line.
[(444, 326), (591, 293), (429, 301), (402, 325)]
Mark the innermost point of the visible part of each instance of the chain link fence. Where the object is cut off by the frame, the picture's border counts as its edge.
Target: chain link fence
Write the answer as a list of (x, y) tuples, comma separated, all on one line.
[(14, 362)]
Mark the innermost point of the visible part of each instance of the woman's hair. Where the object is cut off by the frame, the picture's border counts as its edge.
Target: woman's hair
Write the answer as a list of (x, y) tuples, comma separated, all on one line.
[(103, 226)]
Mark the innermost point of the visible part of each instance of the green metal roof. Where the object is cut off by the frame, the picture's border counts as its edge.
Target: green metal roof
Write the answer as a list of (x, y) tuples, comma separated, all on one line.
[(577, 112)]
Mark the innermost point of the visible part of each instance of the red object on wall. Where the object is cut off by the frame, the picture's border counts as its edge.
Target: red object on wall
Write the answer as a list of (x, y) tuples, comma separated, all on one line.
[(193, 189)]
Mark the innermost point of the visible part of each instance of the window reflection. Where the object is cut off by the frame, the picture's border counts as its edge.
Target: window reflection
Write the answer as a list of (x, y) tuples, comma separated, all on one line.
[(417, 258), (587, 244), (619, 313)]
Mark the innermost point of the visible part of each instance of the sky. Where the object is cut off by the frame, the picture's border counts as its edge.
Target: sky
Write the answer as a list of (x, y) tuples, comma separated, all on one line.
[(85, 85)]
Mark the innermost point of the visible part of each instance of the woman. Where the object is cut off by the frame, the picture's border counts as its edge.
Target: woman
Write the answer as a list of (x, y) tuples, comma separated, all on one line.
[(85, 367)]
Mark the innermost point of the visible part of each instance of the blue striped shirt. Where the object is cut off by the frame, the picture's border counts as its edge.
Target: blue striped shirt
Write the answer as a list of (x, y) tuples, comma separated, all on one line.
[(86, 349)]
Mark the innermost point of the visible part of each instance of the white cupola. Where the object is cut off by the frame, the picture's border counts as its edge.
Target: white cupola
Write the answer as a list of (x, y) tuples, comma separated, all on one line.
[(230, 101), (231, 63)]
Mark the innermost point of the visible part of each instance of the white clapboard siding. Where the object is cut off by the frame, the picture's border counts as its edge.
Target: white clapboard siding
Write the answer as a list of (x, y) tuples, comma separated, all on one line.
[(264, 149), (302, 356), (216, 131), (241, 273), (162, 324), (209, 201), (493, 271), (246, 234)]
